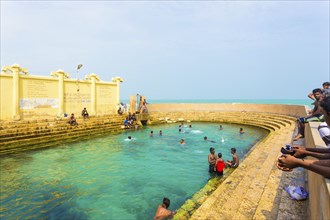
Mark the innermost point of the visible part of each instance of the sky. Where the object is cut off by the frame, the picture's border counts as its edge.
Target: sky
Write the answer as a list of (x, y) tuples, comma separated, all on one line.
[(175, 49)]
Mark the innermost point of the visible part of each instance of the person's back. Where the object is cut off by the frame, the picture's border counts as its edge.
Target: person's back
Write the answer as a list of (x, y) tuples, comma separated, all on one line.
[(162, 210), (220, 165)]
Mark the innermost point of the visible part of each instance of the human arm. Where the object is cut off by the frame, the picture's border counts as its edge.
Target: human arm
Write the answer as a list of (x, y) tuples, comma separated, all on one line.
[(311, 96), (320, 153), (321, 167)]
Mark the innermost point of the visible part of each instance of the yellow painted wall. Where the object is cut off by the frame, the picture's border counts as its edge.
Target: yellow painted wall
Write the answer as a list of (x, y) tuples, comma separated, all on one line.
[(76, 96), (106, 97), (292, 110), (39, 96), (6, 96)]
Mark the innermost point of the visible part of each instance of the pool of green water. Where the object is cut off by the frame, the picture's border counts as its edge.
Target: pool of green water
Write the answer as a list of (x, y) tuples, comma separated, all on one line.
[(114, 178)]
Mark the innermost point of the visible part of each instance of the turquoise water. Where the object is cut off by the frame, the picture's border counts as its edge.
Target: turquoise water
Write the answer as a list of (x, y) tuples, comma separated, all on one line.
[(113, 178)]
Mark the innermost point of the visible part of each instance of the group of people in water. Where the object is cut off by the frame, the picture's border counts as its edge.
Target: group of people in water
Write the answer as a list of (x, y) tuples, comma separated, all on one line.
[(217, 164)]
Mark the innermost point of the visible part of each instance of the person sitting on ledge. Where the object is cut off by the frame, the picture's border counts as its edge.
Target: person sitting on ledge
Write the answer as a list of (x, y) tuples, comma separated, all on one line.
[(84, 113), (72, 120), (314, 115), (321, 165), (120, 111), (127, 123), (163, 212), (235, 162)]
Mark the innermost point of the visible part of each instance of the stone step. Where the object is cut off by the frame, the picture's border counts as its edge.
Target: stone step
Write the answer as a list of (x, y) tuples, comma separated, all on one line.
[(239, 195), (276, 203), (55, 139), (37, 128), (71, 130)]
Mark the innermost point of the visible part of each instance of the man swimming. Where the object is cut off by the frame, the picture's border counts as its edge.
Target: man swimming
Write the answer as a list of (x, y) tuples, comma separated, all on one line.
[(205, 139)]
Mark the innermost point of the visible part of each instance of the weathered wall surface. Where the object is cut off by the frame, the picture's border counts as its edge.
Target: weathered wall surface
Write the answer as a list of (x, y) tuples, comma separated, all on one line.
[(6, 96), (292, 110), (37, 96), (28, 96), (318, 186)]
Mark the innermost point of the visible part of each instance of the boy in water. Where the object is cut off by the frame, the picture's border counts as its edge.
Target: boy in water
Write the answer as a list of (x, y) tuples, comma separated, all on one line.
[(219, 165), (212, 158), (233, 163), (162, 210)]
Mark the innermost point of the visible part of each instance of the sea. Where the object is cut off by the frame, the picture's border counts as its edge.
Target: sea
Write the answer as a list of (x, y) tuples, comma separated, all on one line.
[(306, 102)]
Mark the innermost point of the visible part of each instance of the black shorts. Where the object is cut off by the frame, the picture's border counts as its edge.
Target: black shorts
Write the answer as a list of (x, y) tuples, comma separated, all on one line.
[(211, 168)]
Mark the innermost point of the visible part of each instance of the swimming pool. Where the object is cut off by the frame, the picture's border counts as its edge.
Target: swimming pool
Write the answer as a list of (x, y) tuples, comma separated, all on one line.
[(114, 178)]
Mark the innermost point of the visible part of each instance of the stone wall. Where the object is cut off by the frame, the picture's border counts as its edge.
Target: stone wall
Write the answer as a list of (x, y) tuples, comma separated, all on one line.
[(26, 96)]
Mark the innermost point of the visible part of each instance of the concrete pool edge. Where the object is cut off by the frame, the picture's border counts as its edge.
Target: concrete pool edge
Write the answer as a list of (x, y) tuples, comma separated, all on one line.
[(193, 203)]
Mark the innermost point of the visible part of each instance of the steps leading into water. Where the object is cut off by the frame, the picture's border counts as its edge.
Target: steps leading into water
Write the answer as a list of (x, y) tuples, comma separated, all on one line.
[(253, 190), (29, 135)]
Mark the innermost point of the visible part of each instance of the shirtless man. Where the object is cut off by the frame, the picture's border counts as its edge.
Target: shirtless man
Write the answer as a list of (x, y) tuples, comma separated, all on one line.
[(212, 158), (163, 212), (315, 115), (233, 163)]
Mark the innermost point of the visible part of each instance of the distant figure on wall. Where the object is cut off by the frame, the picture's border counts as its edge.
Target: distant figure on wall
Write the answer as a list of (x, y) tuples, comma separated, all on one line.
[(72, 120), (120, 111), (84, 113)]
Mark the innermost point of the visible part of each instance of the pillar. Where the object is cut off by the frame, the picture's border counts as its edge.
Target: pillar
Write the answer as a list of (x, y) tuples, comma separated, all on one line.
[(132, 104), (93, 94), (118, 91), (60, 74), (16, 69)]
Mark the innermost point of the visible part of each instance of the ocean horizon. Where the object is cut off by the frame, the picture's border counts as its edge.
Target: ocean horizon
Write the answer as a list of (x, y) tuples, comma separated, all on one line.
[(306, 102)]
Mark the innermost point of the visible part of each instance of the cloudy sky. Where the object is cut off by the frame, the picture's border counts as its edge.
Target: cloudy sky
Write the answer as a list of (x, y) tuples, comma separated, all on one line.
[(175, 49)]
